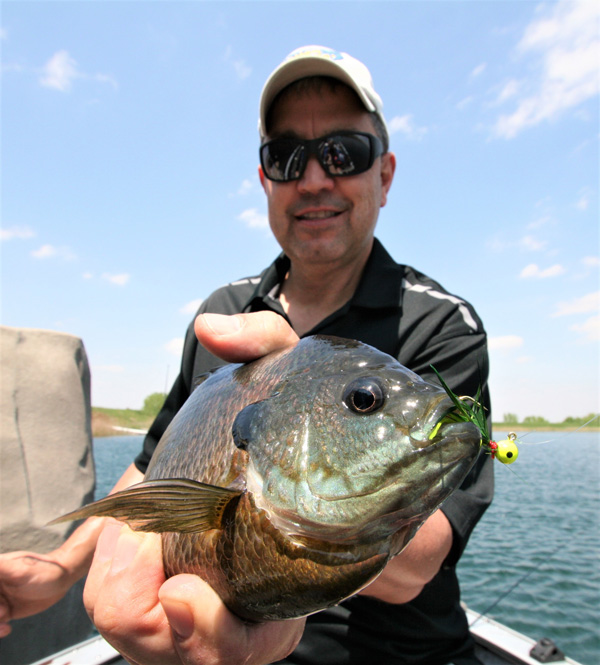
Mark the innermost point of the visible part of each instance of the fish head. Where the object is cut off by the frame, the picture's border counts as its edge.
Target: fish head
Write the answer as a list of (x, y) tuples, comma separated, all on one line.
[(348, 447)]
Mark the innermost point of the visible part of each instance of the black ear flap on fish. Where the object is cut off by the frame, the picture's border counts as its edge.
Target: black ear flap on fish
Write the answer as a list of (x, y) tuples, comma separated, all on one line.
[(241, 429), (167, 505)]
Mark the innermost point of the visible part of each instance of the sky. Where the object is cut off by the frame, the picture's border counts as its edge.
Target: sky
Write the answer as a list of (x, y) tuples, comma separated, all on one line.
[(130, 188)]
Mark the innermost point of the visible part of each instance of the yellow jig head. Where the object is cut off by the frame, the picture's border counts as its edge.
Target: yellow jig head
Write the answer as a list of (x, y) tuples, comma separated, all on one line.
[(506, 450)]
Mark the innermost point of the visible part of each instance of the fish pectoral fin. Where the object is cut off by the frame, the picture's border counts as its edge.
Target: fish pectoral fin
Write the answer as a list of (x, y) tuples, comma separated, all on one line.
[(167, 505)]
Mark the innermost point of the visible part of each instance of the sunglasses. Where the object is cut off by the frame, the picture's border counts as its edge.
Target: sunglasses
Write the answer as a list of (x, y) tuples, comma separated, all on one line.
[(340, 154)]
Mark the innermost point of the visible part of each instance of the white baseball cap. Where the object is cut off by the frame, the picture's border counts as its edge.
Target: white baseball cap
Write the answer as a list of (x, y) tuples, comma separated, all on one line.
[(320, 61)]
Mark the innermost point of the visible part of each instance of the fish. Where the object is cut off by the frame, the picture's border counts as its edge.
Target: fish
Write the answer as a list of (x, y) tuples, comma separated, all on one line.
[(289, 482)]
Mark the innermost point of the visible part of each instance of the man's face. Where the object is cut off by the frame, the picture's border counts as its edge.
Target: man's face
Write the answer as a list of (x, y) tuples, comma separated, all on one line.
[(319, 218)]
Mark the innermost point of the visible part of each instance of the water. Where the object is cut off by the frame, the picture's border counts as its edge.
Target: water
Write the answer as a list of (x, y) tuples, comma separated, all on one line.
[(544, 524)]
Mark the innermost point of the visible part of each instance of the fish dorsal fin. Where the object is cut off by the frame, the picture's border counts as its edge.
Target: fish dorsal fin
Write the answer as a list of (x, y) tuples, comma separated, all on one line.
[(201, 378), (165, 505)]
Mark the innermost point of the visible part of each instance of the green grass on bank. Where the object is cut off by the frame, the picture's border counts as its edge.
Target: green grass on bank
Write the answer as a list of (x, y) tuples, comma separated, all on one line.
[(105, 420)]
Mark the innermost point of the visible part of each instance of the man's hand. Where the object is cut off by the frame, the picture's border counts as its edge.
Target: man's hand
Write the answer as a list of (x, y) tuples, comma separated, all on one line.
[(181, 620), (153, 621), (29, 583)]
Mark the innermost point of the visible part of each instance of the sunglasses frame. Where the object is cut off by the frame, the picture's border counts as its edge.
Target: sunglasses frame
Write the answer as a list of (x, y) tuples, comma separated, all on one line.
[(312, 147)]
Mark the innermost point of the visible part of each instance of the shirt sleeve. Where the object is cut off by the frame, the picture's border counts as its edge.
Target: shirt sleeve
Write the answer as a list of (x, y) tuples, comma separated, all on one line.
[(459, 353)]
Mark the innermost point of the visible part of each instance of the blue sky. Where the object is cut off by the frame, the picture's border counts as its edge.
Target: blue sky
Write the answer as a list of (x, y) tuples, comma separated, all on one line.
[(130, 190)]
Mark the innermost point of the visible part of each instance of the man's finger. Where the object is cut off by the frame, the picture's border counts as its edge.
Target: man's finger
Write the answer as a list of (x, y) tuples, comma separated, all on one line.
[(205, 631), (244, 337)]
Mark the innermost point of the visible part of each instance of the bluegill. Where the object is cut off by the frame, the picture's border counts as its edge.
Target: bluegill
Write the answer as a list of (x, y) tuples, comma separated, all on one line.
[(289, 482)]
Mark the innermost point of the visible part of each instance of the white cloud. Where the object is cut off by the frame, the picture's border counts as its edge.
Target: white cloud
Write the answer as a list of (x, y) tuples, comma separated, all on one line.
[(404, 124), (105, 78), (239, 65), (584, 305), (505, 343), (509, 90), (564, 44), (175, 346), (541, 222), (62, 70), (583, 202), (254, 219), (87, 275), (245, 188), (478, 71), (59, 72), (50, 251), (117, 280), (18, 232), (192, 307), (242, 69), (534, 271), (591, 261), (464, 103), (531, 244), (590, 329)]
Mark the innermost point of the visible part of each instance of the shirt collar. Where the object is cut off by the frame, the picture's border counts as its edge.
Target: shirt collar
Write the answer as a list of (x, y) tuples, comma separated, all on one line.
[(380, 284)]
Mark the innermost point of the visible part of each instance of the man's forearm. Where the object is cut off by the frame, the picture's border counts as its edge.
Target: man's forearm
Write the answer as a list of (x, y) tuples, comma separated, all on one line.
[(76, 553), (406, 574)]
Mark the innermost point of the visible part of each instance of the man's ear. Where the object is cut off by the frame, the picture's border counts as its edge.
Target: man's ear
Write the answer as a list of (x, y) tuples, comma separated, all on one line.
[(388, 167), (261, 176)]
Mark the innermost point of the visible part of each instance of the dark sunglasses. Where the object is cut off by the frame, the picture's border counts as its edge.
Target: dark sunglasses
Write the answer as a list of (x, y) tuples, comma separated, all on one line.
[(340, 154)]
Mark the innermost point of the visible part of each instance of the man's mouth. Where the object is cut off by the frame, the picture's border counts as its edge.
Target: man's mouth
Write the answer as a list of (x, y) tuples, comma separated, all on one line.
[(317, 214)]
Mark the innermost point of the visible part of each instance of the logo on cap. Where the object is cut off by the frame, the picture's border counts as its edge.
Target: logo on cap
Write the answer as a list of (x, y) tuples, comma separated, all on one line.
[(318, 52)]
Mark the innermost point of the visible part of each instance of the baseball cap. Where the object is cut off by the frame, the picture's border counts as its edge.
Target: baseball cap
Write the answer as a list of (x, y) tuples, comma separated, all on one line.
[(320, 61)]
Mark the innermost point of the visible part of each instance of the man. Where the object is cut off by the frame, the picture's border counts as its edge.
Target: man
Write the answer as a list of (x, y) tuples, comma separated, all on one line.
[(326, 171)]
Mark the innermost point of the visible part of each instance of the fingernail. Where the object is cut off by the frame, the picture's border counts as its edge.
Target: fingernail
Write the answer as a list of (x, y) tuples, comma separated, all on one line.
[(127, 547), (221, 324), (180, 618)]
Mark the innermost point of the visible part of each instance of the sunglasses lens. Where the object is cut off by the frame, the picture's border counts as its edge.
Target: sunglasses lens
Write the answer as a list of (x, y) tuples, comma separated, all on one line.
[(285, 159), (345, 155)]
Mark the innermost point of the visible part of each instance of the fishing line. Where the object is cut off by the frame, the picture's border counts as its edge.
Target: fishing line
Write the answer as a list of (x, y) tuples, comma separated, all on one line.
[(563, 435), (514, 586)]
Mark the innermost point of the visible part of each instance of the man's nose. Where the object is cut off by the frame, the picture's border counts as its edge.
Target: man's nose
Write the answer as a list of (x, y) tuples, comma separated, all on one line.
[(314, 178)]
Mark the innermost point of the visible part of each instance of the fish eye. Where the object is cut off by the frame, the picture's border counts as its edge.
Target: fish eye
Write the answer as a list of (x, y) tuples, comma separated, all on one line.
[(364, 395)]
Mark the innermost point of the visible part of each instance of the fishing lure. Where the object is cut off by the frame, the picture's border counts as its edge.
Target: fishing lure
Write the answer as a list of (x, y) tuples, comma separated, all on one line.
[(470, 409)]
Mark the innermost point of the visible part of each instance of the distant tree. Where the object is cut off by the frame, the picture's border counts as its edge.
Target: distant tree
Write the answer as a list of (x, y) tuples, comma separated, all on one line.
[(510, 419), (153, 403), (570, 421), (535, 421)]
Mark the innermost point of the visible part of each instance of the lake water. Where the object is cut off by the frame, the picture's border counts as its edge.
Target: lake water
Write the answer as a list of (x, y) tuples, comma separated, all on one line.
[(541, 536)]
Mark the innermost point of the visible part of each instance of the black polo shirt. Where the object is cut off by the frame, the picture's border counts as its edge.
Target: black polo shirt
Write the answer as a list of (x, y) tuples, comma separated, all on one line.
[(413, 318)]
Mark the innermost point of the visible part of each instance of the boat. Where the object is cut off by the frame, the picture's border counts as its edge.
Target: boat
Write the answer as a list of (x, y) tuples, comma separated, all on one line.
[(496, 644)]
